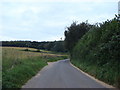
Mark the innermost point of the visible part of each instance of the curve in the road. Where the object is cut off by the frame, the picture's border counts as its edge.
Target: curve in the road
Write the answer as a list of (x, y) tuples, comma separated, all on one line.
[(62, 74)]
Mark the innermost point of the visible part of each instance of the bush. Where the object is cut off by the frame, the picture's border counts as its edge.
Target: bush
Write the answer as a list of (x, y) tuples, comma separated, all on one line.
[(97, 52)]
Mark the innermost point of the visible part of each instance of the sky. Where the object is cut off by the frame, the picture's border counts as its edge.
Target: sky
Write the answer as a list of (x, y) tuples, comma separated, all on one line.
[(46, 20)]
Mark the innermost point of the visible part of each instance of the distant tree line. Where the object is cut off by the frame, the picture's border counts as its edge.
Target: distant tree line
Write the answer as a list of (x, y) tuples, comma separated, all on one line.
[(57, 46)]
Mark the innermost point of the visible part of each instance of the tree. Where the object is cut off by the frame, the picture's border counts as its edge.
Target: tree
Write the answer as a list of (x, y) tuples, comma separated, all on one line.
[(74, 33)]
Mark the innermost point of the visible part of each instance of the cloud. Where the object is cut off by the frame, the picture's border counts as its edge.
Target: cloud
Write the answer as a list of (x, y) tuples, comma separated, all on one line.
[(3, 38), (101, 17), (47, 19), (54, 23), (59, 1)]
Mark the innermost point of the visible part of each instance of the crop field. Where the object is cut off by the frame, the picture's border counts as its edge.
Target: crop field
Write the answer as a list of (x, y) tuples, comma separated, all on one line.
[(19, 65)]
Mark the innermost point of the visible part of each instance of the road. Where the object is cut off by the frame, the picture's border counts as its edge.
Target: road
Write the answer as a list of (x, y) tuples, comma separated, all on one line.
[(62, 74)]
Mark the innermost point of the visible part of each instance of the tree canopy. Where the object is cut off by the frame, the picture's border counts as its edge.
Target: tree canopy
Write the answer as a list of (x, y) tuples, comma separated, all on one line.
[(74, 33)]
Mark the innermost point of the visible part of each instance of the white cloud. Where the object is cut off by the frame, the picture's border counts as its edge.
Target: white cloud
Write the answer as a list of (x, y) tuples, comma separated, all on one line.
[(57, 38), (46, 19), (101, 17), (54, 23), (60, 1), (5, 38), (18, 9)]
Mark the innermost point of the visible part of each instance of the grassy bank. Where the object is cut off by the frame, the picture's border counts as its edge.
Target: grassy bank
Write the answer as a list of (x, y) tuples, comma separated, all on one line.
[(98, 51), (19, 65)]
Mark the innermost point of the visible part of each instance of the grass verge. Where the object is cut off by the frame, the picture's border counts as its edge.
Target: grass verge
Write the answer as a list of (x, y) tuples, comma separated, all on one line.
[(103, 73)]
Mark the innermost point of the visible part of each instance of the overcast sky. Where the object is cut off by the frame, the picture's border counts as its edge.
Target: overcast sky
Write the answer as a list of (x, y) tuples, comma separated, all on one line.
[(46, 20)]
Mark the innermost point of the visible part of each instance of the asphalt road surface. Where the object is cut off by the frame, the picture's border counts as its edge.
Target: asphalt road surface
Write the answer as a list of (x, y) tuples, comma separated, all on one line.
[(62, 74)]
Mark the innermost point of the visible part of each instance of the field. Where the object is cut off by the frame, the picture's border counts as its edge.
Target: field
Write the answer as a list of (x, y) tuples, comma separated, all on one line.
[(20, 64)]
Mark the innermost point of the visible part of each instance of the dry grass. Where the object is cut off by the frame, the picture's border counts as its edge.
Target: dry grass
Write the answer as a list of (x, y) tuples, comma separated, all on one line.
[(12, 55), (16, 52)]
